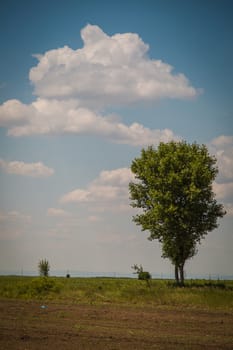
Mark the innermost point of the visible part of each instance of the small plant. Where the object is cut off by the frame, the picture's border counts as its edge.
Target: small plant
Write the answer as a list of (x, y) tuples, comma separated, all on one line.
[(43, 286), (43, 267), (142, 275)]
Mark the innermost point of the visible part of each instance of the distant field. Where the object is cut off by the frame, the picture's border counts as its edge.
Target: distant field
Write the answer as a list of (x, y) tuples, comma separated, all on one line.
[(114, 313)]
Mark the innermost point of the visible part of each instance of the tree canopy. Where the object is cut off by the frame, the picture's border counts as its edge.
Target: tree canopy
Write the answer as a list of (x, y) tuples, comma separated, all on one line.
[(173, 187)]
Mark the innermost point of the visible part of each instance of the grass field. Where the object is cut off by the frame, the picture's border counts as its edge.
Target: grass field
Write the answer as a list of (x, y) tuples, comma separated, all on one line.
[(114, 313), (197, 293)]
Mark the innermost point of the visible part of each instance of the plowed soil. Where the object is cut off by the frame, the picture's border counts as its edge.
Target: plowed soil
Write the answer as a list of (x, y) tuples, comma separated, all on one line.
[(31, 325)]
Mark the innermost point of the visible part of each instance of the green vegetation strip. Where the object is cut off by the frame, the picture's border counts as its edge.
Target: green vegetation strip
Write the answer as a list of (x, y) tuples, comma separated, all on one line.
[(196, 293)]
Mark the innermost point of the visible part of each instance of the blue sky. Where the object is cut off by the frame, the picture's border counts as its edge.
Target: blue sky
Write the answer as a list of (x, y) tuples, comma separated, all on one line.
[(84, 85)]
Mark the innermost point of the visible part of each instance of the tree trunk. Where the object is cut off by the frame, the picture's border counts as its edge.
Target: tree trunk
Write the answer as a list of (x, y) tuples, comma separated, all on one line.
[(177, 274), (181, 268)]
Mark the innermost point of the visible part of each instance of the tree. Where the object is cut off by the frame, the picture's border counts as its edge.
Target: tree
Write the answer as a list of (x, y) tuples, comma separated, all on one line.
[(173, 187), (43, 267)]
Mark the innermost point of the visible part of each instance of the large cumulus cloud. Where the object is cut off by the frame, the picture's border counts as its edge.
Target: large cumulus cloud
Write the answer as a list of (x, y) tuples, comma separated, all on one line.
[(107, 70), (76, 89)]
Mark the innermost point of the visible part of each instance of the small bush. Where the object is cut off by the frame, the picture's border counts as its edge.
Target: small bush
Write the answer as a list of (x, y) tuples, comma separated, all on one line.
[(142, 275), (44, 285)]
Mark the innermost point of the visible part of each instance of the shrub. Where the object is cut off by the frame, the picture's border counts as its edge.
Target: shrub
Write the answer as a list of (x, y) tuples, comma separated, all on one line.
[(142, 275), (44, 285)]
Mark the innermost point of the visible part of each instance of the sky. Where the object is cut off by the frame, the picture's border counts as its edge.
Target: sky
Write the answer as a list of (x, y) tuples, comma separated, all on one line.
[(84, 86)]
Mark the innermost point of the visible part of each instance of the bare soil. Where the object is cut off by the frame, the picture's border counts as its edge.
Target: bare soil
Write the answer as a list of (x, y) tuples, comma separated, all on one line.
[(30, 325)]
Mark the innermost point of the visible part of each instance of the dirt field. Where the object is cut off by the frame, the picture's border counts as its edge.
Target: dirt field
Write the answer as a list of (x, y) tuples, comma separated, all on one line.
[(27, 325)]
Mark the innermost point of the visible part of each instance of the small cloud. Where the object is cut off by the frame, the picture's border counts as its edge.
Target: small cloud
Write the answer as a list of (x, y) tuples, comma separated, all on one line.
[(108, 192), (56, 212), (37, 56), (26, 169), (78, 195), (222, 148), (13, 112), (94, 218), (222, 140), (223, 190), (229, 208)]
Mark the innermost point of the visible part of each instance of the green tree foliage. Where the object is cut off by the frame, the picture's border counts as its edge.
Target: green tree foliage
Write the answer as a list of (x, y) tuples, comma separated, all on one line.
[(142, 275), (43, 267), (173, 188)]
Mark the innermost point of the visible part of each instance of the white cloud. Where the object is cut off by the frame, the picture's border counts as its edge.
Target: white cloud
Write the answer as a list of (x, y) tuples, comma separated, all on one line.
[(225, 164), (108, 70), (223, 190), (94, 218), (73, 86), (222, 140), (138, 135), (108, 192), (58, 117), (117, 177), (222, 148), (111, 187), (76, 196), (57, 212), (229, 208), (40, 117), (26, 169), (13, 112)]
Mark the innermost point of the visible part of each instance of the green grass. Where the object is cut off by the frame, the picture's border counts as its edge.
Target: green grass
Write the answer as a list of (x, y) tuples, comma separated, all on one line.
[(196, 293)]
